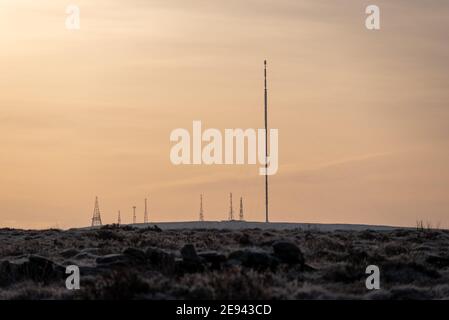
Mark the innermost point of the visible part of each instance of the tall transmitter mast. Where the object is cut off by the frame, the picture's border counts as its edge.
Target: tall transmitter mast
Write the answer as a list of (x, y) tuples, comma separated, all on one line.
[(201, 208), (145, 217), (266, 141)]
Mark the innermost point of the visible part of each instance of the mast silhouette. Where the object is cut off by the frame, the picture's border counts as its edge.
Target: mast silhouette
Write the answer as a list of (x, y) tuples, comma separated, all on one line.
[(145, 217), (241, 210), (231, 209), (266, 141), (201, 208), (96, 218), (134, 214)]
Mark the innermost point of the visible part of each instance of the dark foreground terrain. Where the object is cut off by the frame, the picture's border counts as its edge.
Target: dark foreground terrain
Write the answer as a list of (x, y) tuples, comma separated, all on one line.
[(148, 263)]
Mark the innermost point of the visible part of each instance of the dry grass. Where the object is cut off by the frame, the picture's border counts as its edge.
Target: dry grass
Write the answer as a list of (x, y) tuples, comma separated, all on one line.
[(414, 264)]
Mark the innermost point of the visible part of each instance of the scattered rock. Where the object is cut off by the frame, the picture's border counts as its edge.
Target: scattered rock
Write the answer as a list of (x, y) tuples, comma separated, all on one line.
[(214, 258), (5, 274), (91, 250), (43, 269), (103, 234), (191, 262), (88, 270), (188, 253), (12, 271), (250, 258), (309, 268), (32, 267), (288, 252), (112, 259), (85, 255), (154, 228), (136, 255), (413, 265), (160, 259)]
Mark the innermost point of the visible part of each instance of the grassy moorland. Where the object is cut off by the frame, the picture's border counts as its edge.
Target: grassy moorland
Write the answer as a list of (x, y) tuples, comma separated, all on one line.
[(148, 263)]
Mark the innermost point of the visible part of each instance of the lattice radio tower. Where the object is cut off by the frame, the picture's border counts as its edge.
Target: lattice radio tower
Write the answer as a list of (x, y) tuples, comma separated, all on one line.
[(231, 209), (134, 215), (145, 218), (241, 209), (96, 218), (201, 208), (119, 220)]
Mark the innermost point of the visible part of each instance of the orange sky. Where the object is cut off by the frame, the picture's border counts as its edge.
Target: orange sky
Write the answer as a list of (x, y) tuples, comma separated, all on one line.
[(363, 116)]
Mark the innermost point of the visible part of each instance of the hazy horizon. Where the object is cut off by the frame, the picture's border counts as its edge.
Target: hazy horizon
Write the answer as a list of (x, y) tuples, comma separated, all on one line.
[(363, 115)]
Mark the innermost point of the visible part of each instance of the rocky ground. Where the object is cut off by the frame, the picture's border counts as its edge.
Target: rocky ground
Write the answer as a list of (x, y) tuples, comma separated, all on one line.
[(148, 263)]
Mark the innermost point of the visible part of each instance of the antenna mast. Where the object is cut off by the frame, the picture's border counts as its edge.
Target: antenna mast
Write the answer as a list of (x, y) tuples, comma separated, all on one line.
[(134, 215), (96, 218), (231, 209), (241, 209), (145, 218), (266, 141), (119, 220), (201, 208)]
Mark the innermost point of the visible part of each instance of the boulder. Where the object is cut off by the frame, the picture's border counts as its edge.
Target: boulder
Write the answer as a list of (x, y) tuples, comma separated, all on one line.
[(85, 255), (288, 252), (94, 251), (135, 255), (43, 269), (188, 253), (254, 259), (160, 259), (112, 259), (33, 267), (6, 277), (89, 270), (191, 262), (213, 258)]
